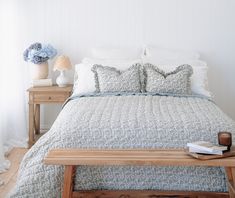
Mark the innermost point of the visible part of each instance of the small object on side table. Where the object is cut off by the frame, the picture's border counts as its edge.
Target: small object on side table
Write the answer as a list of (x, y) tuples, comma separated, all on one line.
[(62, 64), (39, 54), (225, 139)]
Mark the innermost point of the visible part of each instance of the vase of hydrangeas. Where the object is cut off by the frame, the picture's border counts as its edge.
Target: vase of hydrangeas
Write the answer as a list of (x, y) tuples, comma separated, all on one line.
[(40, 71), (39, 54)]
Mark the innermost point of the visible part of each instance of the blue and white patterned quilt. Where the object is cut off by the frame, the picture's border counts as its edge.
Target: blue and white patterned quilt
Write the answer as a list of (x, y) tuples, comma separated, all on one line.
[(126, 121)]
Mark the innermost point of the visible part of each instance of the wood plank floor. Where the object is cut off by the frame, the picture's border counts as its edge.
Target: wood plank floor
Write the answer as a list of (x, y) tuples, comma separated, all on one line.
[(10, 176)]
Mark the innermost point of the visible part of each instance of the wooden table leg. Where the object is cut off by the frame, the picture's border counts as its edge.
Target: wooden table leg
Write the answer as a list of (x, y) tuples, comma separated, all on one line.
[(37, 119), (68, 181), (231, 179), (31, 125)]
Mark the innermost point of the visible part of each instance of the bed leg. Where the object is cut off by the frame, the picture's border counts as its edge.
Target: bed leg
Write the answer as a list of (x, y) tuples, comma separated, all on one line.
[(231, 179), (68, 181)]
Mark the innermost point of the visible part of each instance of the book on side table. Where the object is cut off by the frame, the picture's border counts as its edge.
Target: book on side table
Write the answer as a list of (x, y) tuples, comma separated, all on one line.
[(42, 83)]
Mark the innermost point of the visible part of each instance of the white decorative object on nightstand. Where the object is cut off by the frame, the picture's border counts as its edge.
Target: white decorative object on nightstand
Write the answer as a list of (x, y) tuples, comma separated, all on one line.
[(62, 64)]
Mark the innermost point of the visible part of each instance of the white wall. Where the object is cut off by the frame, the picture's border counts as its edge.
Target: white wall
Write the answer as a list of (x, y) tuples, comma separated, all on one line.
[(73, 26)]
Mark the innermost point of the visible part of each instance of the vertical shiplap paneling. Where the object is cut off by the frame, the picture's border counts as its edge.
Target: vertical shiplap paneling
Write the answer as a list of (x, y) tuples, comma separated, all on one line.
[(74, 26)]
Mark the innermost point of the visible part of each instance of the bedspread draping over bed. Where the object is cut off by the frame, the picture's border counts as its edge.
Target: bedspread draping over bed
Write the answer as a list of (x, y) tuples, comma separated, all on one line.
[(130, 121)]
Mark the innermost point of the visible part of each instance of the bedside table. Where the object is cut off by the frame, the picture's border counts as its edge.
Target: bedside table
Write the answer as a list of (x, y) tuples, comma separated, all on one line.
[(43, 95)]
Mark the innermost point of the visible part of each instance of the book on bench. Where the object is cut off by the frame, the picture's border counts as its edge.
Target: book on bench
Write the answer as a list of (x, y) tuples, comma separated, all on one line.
[(206, 148)]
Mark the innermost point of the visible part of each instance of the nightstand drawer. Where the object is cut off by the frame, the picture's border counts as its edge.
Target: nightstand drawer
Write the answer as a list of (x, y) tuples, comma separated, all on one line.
[(55, 97)]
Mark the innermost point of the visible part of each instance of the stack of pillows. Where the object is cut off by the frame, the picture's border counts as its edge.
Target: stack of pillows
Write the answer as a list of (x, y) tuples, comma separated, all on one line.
[(155, 70)]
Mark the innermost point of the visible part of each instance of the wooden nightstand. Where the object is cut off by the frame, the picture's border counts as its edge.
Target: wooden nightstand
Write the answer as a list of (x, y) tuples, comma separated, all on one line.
[(43, 95)]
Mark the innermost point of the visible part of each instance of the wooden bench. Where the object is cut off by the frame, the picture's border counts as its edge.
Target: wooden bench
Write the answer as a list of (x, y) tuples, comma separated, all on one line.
[(71, 158)]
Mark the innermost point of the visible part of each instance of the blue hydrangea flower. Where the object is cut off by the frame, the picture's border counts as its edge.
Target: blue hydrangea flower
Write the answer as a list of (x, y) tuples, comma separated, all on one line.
[(48, 50), (38, 53)]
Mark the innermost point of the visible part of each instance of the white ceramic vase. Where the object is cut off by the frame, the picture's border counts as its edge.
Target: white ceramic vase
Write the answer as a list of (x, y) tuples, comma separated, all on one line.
[(39, 71)]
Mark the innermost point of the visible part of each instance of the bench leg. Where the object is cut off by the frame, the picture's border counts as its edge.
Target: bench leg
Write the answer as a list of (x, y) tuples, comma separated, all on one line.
[(231, 181), (68, 181)]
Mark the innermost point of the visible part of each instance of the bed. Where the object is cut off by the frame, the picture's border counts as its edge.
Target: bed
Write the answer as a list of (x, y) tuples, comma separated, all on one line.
[(127, 121), (144, 106)]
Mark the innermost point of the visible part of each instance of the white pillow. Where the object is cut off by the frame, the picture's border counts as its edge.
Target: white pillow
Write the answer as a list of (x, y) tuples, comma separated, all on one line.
[(117, 53), (120, 64), (84, 81), (161, 54), (199, 79)]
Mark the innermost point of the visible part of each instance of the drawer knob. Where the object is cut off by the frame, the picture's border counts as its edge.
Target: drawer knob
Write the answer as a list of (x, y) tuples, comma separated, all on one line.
[(49, 97)]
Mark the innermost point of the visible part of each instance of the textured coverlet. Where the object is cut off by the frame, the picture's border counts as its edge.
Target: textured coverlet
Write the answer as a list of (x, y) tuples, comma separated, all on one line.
[(142, 121)]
